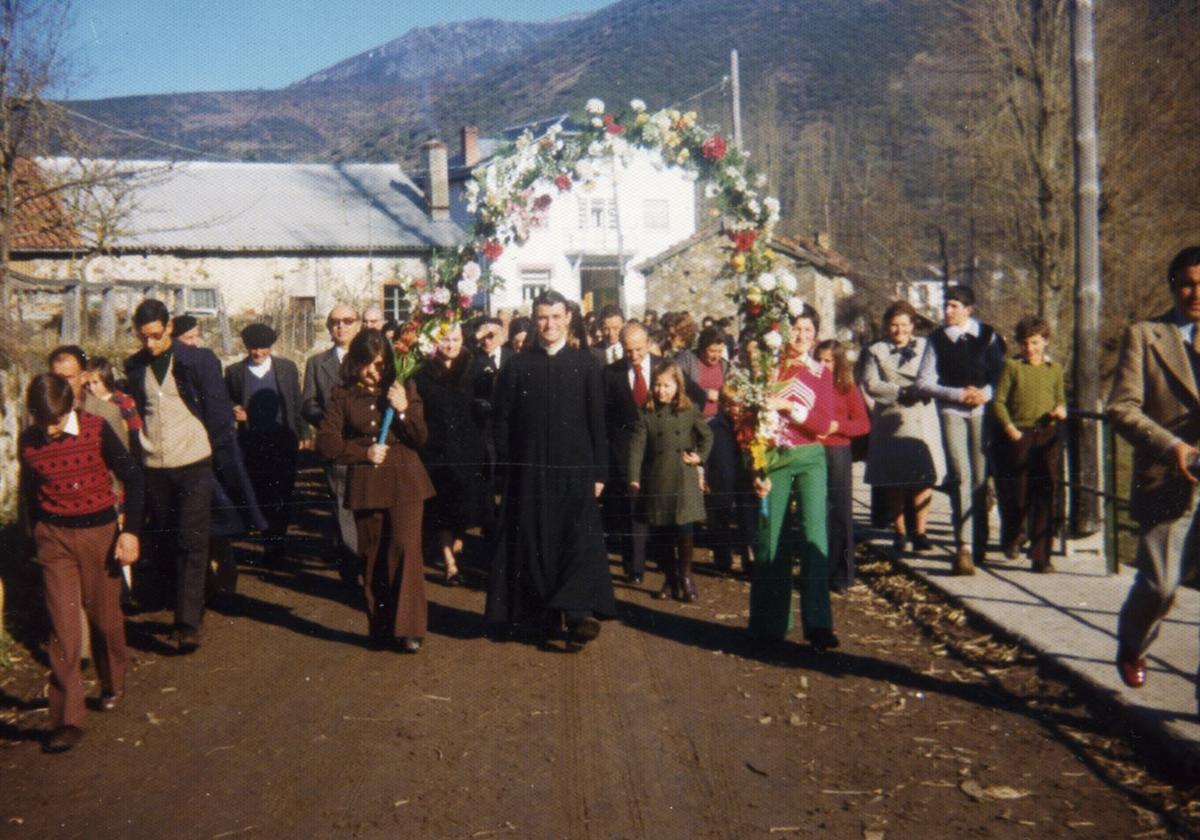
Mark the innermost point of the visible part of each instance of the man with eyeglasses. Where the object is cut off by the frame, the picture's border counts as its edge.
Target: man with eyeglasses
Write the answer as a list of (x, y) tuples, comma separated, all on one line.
[(322, 373), (187, 441), (492, 354)]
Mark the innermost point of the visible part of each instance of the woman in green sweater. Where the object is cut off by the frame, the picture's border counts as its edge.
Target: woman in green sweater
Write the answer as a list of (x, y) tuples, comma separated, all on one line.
[(1030, 401)]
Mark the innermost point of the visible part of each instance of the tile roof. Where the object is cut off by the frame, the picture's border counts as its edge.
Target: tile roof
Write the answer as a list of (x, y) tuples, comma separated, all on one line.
[(40, 223)]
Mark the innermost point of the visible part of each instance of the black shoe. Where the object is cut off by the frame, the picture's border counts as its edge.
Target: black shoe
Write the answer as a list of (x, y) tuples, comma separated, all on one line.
[(410, 644), (187, 640), (62, 739), (634, 578), (822, 639), (109, 700), (583, 631), (921, 543), (687, 591)]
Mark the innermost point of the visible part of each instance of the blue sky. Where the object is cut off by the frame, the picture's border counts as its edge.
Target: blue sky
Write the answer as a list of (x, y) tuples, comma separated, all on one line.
[(123, 47)]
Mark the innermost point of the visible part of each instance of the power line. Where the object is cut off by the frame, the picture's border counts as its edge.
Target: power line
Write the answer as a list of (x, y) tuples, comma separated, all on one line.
[(721, 85), (146, 138)]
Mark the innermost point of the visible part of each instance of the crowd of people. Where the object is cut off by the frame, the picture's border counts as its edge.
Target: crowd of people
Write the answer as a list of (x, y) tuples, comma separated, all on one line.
[(559, 438)]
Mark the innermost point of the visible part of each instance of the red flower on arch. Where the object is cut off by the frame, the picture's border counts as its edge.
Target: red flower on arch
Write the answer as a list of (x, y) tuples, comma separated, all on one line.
[(714, 148), (743, 240)]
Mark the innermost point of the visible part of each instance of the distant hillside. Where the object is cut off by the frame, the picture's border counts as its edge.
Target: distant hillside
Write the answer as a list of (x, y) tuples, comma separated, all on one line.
[(450, 50), (430, 82)]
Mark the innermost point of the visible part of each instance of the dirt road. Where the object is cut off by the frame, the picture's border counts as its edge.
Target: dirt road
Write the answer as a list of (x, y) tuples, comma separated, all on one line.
[(672, 725)]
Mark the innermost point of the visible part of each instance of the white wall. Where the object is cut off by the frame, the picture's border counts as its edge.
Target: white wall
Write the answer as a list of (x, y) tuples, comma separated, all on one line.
[(256, 284), (559, 246)]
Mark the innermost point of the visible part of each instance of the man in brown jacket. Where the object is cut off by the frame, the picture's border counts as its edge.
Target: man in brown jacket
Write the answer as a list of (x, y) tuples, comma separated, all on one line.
[(1155, 404)]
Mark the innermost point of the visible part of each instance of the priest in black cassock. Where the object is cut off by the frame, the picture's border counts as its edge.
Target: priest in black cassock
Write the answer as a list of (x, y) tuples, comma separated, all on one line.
[(551, 563)]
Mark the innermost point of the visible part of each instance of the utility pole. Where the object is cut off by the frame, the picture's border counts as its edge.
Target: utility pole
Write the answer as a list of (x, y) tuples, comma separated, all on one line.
[(735, 80), (1087, 473)]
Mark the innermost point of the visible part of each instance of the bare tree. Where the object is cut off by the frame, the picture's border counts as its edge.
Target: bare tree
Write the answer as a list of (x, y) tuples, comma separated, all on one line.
[(1001, 111), (1148, 129), (31, 64)]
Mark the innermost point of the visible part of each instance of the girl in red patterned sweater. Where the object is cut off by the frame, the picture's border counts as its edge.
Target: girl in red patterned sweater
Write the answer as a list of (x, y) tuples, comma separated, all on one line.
[(68, 458)]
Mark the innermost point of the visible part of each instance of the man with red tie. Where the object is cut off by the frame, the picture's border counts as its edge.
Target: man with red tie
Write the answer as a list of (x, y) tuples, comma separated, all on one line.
[(626, 389)]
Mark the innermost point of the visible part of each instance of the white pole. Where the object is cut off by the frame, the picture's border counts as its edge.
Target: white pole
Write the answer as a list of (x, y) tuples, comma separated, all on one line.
[(735, 78)]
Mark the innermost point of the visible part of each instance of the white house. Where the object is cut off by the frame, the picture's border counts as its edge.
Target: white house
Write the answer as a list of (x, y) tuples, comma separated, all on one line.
[(279, 240), (592, 237)]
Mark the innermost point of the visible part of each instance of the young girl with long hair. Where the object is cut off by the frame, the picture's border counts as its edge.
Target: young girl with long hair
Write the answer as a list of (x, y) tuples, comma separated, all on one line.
[(669, 443), (850, 412)]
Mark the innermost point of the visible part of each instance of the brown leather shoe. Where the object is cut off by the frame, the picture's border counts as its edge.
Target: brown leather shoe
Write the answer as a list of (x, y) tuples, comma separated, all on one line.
[(963, 564), (1133, 672), (62, 739)]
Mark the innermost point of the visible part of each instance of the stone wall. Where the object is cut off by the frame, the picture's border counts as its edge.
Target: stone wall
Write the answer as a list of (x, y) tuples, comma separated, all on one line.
[(13, 382), (689, 281)]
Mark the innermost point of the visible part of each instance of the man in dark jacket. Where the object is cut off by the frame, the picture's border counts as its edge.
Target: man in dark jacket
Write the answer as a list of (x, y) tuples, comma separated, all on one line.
[(491, 355), (265, 390), (322, 373), (550, 559), (626, 389), (187, 439), (609, 349)]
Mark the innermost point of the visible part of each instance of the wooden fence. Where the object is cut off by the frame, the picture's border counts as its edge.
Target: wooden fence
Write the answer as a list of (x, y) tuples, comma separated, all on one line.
[(76, 301)]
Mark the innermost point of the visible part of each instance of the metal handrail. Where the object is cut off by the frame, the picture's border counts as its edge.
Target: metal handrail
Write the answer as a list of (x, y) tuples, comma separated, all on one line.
[(1112, 501)]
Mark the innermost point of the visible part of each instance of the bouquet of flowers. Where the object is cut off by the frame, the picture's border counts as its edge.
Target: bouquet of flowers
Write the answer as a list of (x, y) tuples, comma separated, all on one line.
[(436, 307)]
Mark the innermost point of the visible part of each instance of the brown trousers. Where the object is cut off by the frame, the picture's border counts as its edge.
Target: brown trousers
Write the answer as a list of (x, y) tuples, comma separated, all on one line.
[(389, 542), (77, 566), (1028, 473)]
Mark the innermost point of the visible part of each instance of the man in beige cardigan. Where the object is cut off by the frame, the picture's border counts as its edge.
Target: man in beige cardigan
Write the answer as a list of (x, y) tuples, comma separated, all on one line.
[(1155, 405)]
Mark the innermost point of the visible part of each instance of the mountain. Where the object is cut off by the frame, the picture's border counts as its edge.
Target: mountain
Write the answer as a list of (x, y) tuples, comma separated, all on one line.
[(815, 54), (447, 50)]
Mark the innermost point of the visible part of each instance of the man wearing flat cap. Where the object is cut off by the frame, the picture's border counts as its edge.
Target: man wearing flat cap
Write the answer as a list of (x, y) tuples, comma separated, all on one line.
[(265, 390)]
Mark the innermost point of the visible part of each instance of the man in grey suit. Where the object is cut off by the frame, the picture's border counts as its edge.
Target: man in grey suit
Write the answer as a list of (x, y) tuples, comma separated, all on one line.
[(1155, 405), (322, 373)]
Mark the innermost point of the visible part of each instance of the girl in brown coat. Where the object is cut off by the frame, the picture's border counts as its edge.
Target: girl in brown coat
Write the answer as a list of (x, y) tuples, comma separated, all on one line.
[(387, 486)]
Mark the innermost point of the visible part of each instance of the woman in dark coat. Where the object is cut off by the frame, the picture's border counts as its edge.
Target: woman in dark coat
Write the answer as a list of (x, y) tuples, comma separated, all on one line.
[(670, 442), (387, 486), (456, 452)]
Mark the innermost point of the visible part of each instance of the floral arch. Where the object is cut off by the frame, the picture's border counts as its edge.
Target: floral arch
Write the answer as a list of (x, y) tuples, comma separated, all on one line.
[(512, 193)]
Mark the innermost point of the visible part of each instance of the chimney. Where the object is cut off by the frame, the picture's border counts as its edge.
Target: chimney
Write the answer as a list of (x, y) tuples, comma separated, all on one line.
[(470, 145), (437, 180)]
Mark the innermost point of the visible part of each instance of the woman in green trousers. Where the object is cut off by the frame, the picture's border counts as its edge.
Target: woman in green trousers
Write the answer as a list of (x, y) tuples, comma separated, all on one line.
[(796, 471)]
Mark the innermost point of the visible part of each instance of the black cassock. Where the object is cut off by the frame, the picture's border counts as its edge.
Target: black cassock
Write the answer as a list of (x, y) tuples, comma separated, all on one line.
[(549, 422)]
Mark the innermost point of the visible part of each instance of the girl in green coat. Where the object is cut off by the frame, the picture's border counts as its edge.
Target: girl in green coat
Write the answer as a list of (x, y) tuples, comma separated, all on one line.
[(670, 442)]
